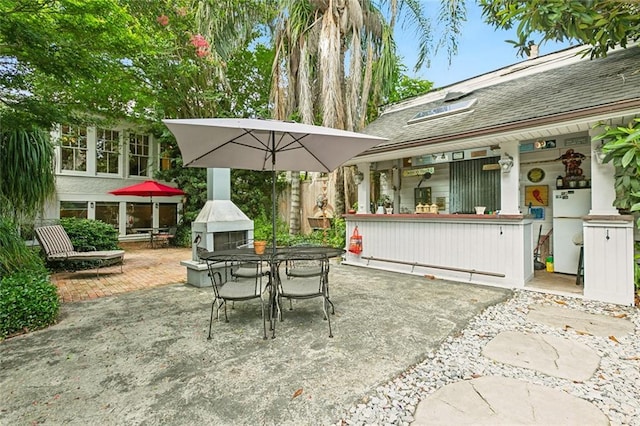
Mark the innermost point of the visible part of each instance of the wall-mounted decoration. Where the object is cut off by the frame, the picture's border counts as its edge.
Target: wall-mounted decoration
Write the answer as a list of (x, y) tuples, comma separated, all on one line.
[(579, 140), (457, 155), (422, 195), (544, 144), (418, 172), (536, 195), (526, 147), (441, 202), (572, 161), (537, 213), (535, 175)]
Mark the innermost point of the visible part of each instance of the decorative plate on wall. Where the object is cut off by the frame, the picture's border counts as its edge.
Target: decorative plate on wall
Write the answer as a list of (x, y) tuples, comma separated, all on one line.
[(535, 175)]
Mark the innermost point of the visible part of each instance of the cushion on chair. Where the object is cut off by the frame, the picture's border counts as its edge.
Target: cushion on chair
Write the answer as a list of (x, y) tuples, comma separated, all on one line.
[(301, 288), (54, 240)]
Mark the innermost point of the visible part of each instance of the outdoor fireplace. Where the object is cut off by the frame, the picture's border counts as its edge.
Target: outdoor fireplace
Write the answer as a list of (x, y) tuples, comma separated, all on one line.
[(220, 225)]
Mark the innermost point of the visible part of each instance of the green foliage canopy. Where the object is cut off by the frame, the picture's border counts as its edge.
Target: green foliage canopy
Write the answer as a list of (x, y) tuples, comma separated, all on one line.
[(602, 24), (63, 56)]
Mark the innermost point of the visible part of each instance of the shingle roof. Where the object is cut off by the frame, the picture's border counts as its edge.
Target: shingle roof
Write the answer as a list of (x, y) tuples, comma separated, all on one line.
[(573, 87)]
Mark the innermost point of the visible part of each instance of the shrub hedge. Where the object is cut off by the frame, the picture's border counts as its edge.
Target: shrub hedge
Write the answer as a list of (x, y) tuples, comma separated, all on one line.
[(14, 254), (28, 302), (86, 234)]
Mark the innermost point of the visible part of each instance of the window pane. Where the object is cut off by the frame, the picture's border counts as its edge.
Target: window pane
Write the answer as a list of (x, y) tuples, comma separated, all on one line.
[(73, 209), (73, 141), (138, 155), (107, 151), (138, 216), (168, 215), (108, 213)]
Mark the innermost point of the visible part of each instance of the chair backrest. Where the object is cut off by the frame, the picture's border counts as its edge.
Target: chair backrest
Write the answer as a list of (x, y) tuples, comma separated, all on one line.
[(54, 240)]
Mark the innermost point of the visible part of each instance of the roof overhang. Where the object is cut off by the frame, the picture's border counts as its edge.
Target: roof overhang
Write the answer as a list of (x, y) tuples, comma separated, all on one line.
[(534, 128)]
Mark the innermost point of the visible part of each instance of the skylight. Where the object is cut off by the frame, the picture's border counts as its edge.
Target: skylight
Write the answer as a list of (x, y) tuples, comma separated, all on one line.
[(443, 110)]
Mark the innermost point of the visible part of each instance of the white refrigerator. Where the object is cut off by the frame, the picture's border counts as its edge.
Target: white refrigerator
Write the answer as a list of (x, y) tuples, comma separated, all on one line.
[(569, 205)]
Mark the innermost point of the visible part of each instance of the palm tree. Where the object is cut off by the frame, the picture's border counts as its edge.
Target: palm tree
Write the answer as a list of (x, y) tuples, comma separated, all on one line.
[(313, 38)]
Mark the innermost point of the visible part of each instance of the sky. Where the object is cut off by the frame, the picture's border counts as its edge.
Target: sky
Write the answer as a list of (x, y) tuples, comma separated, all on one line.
[(481, 48)]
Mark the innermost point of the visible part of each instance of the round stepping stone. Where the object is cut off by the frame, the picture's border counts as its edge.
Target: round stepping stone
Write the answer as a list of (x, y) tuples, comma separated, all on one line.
[(505, 401), (582, 322), (550, 355)]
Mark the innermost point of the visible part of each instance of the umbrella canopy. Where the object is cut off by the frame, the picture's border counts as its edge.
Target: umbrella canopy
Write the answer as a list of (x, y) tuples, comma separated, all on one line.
[(256, 144), (148, 188)]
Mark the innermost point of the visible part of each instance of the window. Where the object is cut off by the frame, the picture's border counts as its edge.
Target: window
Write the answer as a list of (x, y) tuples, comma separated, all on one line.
[(165, 162), (472, 186), (138, 155), (73, 148), (108, 213), (443, 110), (107, 151), (168, 215), (139, 217), (73, 209)]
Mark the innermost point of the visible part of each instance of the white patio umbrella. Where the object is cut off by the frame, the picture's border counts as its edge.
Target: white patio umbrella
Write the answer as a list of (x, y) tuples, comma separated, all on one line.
[(257, 144)]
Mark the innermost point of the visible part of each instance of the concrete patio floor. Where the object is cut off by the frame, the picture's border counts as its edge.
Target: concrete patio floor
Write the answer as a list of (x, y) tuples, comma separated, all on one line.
[(142, 357)]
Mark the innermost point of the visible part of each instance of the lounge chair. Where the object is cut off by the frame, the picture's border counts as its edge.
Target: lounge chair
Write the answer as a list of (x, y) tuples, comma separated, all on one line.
[(57, 247)]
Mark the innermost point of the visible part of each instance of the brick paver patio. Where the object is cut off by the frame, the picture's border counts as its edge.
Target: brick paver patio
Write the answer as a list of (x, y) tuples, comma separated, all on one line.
[(143, 268)]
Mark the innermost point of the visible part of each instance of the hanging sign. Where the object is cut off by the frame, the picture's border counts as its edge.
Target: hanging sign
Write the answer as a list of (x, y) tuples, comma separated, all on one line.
[(418, 172)]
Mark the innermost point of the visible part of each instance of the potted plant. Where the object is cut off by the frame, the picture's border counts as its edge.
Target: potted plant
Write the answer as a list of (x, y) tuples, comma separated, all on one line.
[(354, 208), (260, 238), (385, 204)]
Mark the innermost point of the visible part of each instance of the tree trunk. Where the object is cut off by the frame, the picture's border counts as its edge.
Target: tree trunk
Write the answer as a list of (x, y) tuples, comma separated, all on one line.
[(294, 214)]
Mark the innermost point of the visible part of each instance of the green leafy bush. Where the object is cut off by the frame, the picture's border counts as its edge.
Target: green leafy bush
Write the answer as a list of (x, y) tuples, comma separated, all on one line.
[(86, 234), (28, 301), (333, 236), (183, 236)]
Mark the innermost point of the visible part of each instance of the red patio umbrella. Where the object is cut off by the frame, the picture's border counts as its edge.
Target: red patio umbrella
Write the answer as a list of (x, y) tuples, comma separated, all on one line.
[(148, 188)]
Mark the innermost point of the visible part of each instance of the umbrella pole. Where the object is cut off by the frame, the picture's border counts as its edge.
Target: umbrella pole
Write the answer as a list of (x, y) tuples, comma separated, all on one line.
[(273, 192)]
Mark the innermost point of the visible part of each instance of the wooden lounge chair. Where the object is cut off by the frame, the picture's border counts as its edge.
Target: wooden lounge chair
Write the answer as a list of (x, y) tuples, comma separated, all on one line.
[(58, 248)]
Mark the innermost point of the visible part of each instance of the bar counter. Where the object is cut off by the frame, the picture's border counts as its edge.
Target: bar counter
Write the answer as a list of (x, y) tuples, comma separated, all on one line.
[(486, 249)]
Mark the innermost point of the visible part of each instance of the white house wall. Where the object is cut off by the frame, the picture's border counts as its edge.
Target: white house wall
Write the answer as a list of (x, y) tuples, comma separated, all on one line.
[(90, 186)]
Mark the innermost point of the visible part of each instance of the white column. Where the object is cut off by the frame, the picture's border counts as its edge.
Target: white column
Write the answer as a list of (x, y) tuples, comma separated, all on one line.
[(122, 213), (155, 215), (510, 181), (602, 182), (91, 210), (92, 141), (364, 189)]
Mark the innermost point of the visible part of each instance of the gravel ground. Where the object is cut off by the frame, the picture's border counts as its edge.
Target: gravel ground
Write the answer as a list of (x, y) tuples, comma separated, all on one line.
[(614, 388)]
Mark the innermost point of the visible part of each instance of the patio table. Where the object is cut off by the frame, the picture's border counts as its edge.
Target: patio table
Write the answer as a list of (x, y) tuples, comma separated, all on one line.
[(274, 260), (151, 232)]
